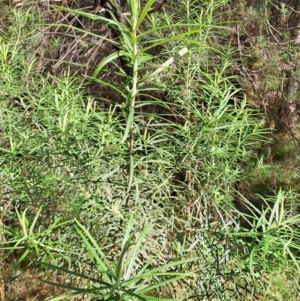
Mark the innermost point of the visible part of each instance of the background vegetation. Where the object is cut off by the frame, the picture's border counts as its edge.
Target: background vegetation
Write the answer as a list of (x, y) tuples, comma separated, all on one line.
[(149, 150)]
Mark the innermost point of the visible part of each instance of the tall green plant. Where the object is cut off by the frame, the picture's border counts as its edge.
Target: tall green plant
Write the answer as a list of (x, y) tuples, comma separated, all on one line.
[(132, 47)]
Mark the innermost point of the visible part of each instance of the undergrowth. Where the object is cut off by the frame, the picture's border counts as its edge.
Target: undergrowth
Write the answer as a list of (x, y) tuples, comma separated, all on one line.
[(137, 199)]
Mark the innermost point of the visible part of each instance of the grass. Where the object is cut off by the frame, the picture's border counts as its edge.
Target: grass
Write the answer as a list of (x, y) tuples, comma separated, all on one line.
[(161, 163)]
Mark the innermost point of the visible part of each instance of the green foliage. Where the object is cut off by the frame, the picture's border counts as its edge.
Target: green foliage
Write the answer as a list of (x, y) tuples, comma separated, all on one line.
[(31, 239), (274, 231), (121, 280), (162, 164)]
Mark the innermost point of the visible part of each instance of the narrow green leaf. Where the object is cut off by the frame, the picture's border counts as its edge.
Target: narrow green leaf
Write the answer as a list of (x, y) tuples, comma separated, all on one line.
[(111, 86), (107, 60), (163, 283), (79, 275), (113, 289), (35, 220), (23, 221), (144, 12), (94, 250), (127, 234), (134, 253), (156, 272), (92, 16), (120, 262), (24, 255)]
